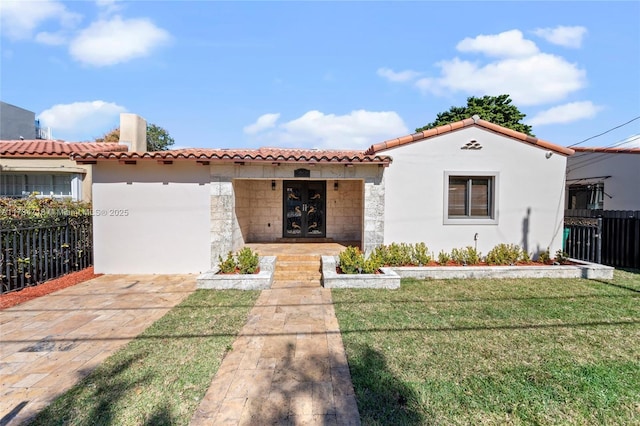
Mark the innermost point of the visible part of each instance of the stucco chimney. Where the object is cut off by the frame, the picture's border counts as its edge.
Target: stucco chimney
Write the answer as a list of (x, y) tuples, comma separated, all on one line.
[(133, 132)]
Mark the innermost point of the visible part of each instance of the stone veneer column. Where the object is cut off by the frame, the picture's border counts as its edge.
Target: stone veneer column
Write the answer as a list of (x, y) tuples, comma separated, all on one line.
[(373, 213), (222, 217)]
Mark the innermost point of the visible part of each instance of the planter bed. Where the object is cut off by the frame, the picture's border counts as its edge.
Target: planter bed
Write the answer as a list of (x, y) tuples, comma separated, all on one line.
[(387, 278), (578, 269), (260, 281), (390, 277)]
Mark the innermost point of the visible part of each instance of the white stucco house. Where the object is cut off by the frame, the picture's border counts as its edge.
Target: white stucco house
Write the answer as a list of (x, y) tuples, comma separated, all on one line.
[(604, 179), (464, 184)]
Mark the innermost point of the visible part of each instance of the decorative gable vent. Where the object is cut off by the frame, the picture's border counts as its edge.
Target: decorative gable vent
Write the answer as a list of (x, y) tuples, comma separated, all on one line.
[(472, 145)]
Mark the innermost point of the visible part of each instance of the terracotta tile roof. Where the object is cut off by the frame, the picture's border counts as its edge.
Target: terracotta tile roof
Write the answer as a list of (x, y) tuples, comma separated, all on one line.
[(618, 150), (272, 155), (53, 149), (474, 121)]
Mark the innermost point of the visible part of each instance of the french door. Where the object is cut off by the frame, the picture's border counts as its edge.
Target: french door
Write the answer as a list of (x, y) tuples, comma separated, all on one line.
[(304, 209)]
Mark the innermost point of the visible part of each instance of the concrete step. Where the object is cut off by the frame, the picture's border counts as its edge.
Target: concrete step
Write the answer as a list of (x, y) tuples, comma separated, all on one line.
[(298, 265), (296, 276), (297, 258)]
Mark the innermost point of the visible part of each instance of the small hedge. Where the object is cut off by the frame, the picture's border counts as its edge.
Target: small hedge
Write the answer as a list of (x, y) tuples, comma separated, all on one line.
[(353, 261), (38, 210), (245, 261)]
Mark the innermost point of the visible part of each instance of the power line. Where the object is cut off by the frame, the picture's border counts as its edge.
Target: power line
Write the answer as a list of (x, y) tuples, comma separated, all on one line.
[(592, 157), (604, 133)]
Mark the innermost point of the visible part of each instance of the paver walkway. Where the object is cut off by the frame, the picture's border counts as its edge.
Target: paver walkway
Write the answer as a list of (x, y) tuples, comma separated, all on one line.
[(48, 344), (288, 365)]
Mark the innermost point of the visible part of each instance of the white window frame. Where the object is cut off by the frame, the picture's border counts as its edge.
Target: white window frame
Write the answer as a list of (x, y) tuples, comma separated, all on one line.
[(41, 185), (494, 201)]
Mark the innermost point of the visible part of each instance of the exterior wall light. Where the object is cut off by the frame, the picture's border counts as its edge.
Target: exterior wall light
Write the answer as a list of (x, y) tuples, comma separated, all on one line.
[(273, 185), (335, 185)]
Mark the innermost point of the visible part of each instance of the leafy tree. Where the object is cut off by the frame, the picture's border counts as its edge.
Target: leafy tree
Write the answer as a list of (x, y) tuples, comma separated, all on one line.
[(110, 136), (158, 139), (496, 109)]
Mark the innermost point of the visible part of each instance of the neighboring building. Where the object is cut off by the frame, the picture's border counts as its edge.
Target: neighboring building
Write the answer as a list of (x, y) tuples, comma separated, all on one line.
[(604, 179), (470, 183), (16, 123), (44, 168)]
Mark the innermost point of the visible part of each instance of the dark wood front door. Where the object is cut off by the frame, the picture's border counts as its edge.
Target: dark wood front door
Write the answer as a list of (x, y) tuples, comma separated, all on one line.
[(304, 209)]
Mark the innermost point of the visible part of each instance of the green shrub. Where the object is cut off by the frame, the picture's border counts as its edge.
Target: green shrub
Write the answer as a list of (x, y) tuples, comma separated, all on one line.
[(562, 256), (248, 261), (505, 254), (370, 266), (399, 254), (39, 211), (227, 265), (420, 254), (443, 257), (465, 256), (351, 260), (544, 256), (381, 254)]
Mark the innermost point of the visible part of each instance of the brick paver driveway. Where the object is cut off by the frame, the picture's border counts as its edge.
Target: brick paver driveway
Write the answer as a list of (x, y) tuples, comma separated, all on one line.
[(50, 343)]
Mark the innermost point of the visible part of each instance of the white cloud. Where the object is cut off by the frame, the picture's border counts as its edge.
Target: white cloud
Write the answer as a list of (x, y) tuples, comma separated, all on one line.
[(51, 39), (263, 122), (356, 130), (19, 19), (512, 65), (398, 77), (508, 44), (533, 80), (566, 113), (109, 7), (81, 120), (109, 42), (563, 36)]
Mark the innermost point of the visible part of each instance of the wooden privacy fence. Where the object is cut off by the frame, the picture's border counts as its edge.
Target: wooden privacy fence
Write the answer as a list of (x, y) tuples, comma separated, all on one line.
[(34, 251), (618, 236)]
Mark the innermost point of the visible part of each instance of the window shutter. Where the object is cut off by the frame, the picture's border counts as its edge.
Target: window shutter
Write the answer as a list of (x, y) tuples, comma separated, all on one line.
[(457, 196), (480, 197)]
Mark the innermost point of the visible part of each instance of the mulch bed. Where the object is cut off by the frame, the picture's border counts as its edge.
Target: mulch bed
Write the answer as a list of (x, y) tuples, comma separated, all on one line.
[(14, 298)]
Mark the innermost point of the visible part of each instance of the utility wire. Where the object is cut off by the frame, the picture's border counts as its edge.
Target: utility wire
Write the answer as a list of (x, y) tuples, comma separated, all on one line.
[(604, 133), (596, 157)]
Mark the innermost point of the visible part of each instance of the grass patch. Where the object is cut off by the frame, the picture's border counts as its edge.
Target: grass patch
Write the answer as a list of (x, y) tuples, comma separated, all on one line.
[(538, 351), (160, 377)]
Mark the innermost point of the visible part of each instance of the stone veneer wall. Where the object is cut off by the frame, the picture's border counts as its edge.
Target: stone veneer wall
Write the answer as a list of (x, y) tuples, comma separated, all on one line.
[(242, 191), (344, 210), (223, 223), (258, 210), (373, 213)]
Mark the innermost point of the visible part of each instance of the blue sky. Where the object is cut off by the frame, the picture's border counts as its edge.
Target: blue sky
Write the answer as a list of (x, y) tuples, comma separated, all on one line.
[(320, 74)]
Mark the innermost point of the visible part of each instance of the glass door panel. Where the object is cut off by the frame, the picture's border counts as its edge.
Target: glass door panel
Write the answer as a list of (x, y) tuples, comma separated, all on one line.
[(304, 209)]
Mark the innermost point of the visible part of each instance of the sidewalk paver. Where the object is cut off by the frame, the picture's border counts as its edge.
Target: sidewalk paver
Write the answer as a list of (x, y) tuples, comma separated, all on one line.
[(288, 365), (48, 344)]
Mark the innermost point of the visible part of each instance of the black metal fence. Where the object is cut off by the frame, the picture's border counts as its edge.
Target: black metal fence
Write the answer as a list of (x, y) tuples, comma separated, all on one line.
[(618, 236), (34, 251)]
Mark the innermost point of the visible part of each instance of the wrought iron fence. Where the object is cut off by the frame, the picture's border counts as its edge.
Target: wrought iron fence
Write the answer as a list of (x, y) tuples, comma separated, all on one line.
[(584, 239), (619, 235), (34, 251)]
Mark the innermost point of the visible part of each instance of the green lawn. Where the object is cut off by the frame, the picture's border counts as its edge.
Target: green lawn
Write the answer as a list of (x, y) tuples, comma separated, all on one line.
[(539, 351), (160, 377)]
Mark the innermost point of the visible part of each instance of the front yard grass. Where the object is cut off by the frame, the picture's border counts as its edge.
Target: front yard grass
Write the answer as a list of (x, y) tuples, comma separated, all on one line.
[(538, 351), (160, 377)]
